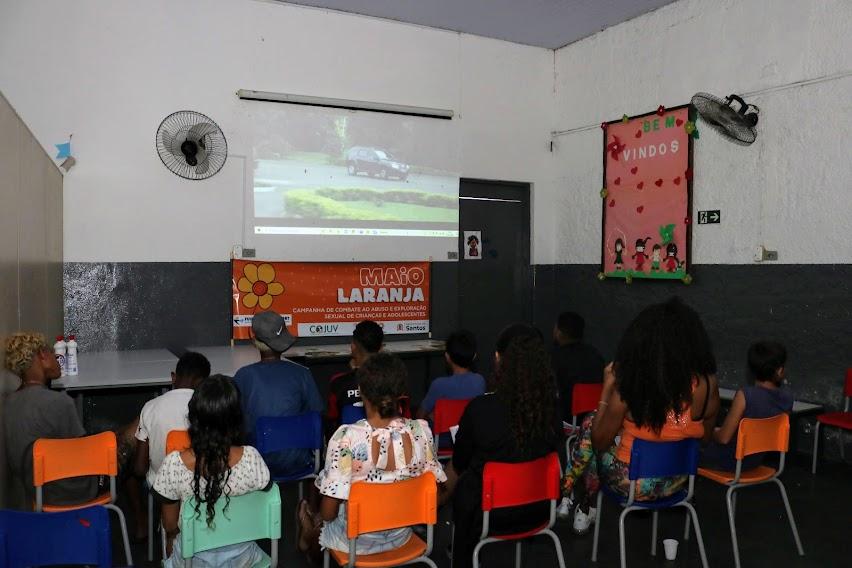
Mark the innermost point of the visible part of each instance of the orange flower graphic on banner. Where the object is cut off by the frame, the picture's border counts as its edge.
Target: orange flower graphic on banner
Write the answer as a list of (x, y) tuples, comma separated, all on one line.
[(259, 286)]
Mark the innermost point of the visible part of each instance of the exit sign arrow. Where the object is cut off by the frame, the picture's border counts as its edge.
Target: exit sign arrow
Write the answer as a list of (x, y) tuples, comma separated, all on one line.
[(713, 216)]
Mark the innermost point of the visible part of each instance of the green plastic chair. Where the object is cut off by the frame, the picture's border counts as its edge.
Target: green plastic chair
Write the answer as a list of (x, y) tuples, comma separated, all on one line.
[(249, 517)]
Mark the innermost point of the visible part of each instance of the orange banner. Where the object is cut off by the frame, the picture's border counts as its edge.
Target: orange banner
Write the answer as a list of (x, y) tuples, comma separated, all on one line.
[(329, 299)]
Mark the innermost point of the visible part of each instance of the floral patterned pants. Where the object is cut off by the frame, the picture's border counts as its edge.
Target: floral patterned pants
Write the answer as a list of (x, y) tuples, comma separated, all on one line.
[(595, 468)]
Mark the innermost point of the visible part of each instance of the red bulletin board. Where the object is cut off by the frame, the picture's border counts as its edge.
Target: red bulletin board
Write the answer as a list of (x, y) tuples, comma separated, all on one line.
[(647, 196), (329, 298)]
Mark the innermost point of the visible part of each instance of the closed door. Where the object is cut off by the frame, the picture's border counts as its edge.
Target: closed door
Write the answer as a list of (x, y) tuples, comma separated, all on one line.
[(495, 290)]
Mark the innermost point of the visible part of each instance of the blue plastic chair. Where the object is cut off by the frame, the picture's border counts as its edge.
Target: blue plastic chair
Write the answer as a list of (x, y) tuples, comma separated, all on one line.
[(81, 536), (352, 414), (655, 459), (300, 432)]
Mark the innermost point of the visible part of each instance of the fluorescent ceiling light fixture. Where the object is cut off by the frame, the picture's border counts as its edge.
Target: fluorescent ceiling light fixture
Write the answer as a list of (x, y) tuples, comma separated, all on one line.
[(407, 110)]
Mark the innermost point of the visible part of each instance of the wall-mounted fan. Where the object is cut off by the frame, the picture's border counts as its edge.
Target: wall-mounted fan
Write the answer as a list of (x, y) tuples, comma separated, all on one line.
[(736, 124), (191, 145)]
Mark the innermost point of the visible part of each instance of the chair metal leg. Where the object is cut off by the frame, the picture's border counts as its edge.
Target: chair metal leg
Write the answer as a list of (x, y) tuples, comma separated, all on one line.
[(273, 553), (654, 519), (790, 517), (734, 503), (326, 559), (476, 550), (622, 538), (691, 513), (518, 554), (127, 555), (732, 526), (597, 528), (816, 446), (150, 526), (558, 544), (686, 527), (428, 561)]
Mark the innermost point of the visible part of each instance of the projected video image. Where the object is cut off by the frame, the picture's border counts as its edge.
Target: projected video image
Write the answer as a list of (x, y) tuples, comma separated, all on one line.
[(324, 167)]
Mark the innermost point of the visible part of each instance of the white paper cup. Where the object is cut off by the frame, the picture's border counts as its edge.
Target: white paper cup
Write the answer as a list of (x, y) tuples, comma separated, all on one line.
[(670, 546)]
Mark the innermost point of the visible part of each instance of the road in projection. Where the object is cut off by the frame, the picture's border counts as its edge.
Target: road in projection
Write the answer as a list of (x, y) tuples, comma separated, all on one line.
[(273, 178)]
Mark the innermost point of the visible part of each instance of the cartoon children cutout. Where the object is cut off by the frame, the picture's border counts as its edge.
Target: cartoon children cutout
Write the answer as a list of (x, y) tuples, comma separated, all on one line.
[(672, 263), (473, 246), (656, 258), (639, 256), (619, 250)]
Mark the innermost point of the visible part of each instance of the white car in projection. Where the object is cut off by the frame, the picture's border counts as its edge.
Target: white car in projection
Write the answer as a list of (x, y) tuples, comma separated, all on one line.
[(374, 162)]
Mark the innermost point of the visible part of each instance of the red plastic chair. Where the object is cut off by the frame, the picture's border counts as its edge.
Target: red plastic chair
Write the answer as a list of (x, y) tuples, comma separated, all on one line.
[(836, 419), (584, 399), (515, 484), (447, 413)]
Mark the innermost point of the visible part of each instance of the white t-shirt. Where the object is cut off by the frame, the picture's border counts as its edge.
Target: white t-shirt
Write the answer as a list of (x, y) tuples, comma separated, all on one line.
[(159, 417)]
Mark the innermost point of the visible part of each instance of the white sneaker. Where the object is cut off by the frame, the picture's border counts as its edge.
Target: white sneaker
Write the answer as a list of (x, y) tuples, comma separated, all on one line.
[(563, 511), (582, 521)]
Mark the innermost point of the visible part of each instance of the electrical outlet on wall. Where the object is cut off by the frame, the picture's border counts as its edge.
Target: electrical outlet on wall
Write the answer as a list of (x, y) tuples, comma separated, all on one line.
[(763, 255)]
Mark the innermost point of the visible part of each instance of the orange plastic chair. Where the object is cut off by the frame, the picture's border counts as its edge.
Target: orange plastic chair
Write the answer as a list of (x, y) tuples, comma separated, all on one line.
[(584, 399), (177, 441), (836, 419), (55, 459), (383, 506), (755, 436), (514, 484), (447, 413)]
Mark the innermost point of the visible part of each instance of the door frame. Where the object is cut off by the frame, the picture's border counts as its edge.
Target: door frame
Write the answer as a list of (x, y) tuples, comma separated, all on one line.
[(524, 190)]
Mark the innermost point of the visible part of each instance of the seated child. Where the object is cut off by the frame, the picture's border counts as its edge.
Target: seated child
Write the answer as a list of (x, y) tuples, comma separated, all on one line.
[(367, 339), (765, 399), (383, 448), (214, 467), (167, 412), (462, 384)]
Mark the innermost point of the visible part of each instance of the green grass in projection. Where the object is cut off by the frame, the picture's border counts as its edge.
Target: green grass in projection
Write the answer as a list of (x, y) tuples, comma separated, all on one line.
[(366, 204)]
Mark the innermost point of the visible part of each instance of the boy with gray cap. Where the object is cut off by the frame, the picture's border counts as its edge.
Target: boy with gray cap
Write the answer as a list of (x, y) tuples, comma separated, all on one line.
[(276, 387)]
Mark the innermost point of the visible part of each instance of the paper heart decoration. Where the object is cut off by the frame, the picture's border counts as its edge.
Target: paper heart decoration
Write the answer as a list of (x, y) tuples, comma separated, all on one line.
[(676, 180), (638, 134), (612, 203), (603, 125), (661, 110), (634, 169), (640, 208), (617, 181), (640, 185), (659, 183), (679, 122), (615, 147)]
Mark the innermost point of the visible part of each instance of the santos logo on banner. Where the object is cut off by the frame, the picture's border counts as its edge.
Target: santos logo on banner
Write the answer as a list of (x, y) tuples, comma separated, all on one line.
[(330, 299)]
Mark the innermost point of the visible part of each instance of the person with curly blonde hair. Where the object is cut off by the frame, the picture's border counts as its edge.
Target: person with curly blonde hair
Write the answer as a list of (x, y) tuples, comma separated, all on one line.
[(34, 411)]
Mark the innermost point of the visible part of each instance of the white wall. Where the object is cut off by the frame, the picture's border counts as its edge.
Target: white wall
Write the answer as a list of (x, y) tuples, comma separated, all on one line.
[(111, 71), (790, 191)]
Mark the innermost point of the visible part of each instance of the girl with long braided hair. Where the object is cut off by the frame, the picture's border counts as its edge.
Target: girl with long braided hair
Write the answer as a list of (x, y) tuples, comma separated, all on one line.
[(518, 421), (215, 467)]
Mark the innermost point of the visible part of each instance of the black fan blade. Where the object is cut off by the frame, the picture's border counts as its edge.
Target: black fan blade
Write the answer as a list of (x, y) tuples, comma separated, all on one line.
[(201, 130)]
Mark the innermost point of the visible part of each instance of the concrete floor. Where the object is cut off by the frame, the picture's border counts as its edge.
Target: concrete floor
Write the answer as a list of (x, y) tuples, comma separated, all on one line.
[(822, 505)]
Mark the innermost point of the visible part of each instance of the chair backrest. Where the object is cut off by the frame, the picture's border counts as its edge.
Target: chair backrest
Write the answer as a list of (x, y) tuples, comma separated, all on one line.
[(276, 433), (79, 537), (513, 484), (74, 457), (447, 413), (585, 398), (847, 387), (758, 435), (352, 414), (382, 506), (177, 441), (663, 459), (248, 517)]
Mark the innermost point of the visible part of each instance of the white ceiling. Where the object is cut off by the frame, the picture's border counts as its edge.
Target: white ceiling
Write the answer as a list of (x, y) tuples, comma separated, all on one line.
[(543, 23)]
